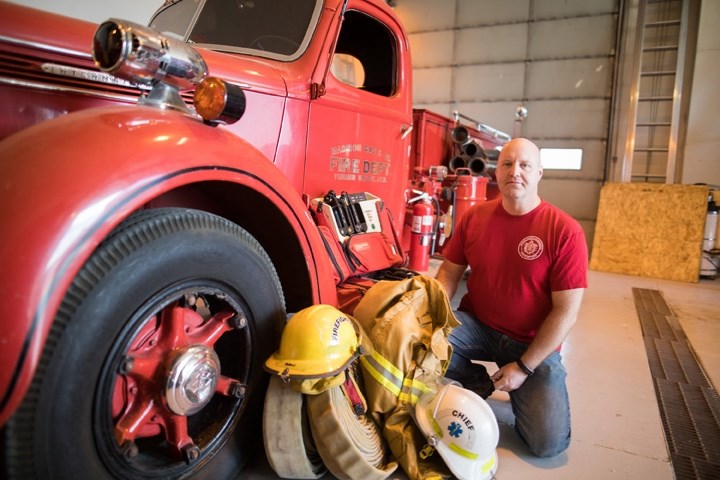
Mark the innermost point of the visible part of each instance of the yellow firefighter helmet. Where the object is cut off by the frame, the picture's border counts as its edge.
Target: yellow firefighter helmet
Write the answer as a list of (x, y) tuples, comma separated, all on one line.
[(318, 341)]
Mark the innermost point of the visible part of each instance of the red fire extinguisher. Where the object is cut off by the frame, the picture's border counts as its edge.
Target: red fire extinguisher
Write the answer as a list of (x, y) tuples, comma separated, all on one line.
[(421, 235)]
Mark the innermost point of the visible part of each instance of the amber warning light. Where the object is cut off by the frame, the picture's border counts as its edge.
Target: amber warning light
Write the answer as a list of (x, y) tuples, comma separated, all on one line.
[(218, 101)]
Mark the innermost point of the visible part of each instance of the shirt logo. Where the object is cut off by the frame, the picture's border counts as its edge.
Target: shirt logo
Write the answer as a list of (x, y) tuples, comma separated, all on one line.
[(530, 248)]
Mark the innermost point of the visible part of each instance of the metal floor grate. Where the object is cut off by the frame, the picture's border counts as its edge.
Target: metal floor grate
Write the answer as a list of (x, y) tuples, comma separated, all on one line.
[(689, 404)]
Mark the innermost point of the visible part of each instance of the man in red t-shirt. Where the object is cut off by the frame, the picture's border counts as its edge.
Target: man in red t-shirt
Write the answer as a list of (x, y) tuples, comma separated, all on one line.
[(528, 271)]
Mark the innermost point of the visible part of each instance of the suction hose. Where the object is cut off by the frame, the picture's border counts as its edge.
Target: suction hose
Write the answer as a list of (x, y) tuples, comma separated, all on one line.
[(457, 162)]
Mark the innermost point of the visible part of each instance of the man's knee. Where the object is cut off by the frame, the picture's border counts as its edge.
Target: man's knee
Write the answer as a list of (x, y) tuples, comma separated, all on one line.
[(543, 445), (550, 449)]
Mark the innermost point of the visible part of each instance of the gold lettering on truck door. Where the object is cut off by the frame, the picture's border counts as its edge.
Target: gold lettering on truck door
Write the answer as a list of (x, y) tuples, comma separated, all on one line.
[(345, 165)]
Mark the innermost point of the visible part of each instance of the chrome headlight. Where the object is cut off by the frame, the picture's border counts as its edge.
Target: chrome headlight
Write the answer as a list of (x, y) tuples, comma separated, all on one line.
[(142, 55)]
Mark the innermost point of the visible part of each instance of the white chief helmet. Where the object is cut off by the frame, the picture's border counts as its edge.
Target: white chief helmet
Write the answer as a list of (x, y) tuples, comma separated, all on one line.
[(462, 428)]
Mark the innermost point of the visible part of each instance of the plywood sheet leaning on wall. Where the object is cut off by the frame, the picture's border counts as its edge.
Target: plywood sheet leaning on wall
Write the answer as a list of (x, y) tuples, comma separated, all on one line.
[(650, 230)]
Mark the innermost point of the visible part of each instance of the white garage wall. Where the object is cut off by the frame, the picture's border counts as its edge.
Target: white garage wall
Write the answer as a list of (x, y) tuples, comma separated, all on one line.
[(702, 146), (484, 58), (138, 11)]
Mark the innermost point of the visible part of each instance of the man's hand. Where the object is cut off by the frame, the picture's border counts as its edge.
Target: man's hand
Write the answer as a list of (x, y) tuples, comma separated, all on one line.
[(509, 378)]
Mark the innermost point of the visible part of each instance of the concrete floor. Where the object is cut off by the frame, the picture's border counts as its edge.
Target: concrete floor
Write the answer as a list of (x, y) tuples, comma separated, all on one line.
[(617, 431)]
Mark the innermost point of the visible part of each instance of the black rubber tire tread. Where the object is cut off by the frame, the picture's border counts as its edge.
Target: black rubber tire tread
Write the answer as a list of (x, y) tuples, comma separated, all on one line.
[(134, 234)]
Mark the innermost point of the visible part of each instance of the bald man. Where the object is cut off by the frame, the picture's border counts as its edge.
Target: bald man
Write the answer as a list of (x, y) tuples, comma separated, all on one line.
[(528, 271)]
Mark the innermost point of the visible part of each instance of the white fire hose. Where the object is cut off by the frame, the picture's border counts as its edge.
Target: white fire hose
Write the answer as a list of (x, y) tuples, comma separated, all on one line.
[(351, 445), (288, 441)]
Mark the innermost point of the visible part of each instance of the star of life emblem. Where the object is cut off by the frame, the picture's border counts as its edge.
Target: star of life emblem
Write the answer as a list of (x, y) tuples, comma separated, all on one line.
[(455, 429)]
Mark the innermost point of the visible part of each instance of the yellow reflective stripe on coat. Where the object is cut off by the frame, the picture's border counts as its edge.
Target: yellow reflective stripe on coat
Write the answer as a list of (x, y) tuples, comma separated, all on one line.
[(411, 390), (384, 372), (391, 378)]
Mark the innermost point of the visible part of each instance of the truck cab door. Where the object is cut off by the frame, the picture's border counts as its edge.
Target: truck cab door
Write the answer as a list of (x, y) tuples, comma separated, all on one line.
[(359, 122)]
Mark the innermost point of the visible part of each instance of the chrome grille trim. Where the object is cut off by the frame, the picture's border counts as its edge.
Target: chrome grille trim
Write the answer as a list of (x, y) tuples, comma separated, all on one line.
[(58, 88), (86, 74)]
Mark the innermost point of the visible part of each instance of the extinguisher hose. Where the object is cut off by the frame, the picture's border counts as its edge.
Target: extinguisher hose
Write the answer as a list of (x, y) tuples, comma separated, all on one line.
[(436, 224), (454, 209)]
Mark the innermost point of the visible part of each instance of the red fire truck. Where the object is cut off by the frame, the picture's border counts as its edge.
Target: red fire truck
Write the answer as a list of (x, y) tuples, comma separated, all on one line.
[(170, 192)]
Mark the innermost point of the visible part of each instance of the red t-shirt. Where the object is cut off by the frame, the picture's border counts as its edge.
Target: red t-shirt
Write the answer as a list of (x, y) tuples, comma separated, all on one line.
[(516, 262)]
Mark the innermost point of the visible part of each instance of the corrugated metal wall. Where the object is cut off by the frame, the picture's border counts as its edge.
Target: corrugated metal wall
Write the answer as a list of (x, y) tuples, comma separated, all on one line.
[(484, 58)]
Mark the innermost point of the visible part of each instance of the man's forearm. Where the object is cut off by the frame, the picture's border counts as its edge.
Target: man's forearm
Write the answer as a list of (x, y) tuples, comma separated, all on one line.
[(555, 328), (449, 287), (449, 275)]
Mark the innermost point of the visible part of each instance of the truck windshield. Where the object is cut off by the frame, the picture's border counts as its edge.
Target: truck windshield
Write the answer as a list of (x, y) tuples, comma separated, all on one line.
[(279, 29)]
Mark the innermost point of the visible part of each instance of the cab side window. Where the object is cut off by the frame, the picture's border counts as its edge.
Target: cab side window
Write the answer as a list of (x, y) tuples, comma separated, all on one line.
[(365, 56)]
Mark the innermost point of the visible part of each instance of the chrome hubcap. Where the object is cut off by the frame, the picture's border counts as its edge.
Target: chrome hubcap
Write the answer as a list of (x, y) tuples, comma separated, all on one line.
[(192, 379)]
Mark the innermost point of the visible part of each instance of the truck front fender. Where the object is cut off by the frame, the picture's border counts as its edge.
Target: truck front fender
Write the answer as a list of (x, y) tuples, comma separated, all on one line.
[(65, 184)]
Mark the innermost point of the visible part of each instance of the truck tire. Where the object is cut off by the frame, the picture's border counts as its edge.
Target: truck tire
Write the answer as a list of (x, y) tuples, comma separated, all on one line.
[(153, 366)]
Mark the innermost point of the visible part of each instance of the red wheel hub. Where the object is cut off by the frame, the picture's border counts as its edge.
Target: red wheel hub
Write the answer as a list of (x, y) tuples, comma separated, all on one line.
[(170, 371)]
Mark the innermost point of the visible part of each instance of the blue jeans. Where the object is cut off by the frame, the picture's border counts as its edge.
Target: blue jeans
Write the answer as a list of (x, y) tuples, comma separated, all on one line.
[(540, 405)]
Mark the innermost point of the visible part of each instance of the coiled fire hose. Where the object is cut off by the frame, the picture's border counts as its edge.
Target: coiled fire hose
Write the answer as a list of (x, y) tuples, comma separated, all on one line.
[(289, 445), (349, 442)]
